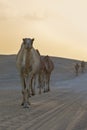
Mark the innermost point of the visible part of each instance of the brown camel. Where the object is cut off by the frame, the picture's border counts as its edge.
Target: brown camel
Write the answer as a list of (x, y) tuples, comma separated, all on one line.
[(42, 73), (28, 64), (49, 66), (46, 68)]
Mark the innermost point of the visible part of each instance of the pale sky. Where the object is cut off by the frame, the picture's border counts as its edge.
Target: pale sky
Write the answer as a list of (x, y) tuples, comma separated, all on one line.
[(58, 26)]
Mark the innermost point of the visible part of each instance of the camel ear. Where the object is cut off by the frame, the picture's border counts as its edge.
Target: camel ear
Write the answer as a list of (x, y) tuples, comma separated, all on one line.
[(23, 39), (32, 39)]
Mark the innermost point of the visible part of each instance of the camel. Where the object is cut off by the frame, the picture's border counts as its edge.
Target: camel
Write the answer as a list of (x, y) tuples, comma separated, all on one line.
[(41, 73), (46, 68), (28, 64), (82, 66), (49, 66), (77, 69)]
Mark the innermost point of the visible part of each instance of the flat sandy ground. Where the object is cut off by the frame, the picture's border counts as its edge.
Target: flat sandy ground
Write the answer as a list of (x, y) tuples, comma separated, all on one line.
[(64, 108)]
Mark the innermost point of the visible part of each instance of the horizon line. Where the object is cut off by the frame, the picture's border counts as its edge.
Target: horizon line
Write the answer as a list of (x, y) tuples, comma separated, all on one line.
[(69, 58)]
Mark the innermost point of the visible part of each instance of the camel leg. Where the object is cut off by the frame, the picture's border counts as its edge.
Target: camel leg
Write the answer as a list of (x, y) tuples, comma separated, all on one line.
[(28, 97), (23, 100), (26, 103), (23, 87), (29, 83), (27, 92), (39, 80), (45, 82), (76, 72), (82, 69), (32, 85), (44, 90), (48, 82), (47, 89)]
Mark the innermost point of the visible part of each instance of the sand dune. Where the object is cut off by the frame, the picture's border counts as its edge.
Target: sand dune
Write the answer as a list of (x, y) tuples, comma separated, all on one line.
[(64, 108)]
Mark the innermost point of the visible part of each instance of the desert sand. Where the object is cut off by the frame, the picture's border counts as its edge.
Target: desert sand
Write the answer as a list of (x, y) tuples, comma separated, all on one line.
[(64, 108)]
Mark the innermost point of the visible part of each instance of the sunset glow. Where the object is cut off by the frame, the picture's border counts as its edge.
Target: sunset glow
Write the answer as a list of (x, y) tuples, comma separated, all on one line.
[(58, 26)]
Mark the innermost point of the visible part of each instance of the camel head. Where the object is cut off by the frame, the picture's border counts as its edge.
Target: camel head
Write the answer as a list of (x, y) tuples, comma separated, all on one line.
[(28, 43), (46, 58)]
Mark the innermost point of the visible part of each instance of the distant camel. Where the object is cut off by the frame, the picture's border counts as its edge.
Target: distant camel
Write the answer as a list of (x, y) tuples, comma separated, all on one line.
[(28, 64), (77, 69), (82, 66)]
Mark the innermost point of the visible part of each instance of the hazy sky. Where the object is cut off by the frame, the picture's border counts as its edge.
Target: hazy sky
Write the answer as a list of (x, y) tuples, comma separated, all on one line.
[(58, 26)]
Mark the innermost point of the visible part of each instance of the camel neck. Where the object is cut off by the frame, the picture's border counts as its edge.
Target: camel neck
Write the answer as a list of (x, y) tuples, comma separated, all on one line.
[(27, 61)]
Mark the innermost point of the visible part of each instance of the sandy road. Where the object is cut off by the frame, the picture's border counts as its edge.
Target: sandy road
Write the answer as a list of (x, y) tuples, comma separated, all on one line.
[(61, 109), (57, 110)]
